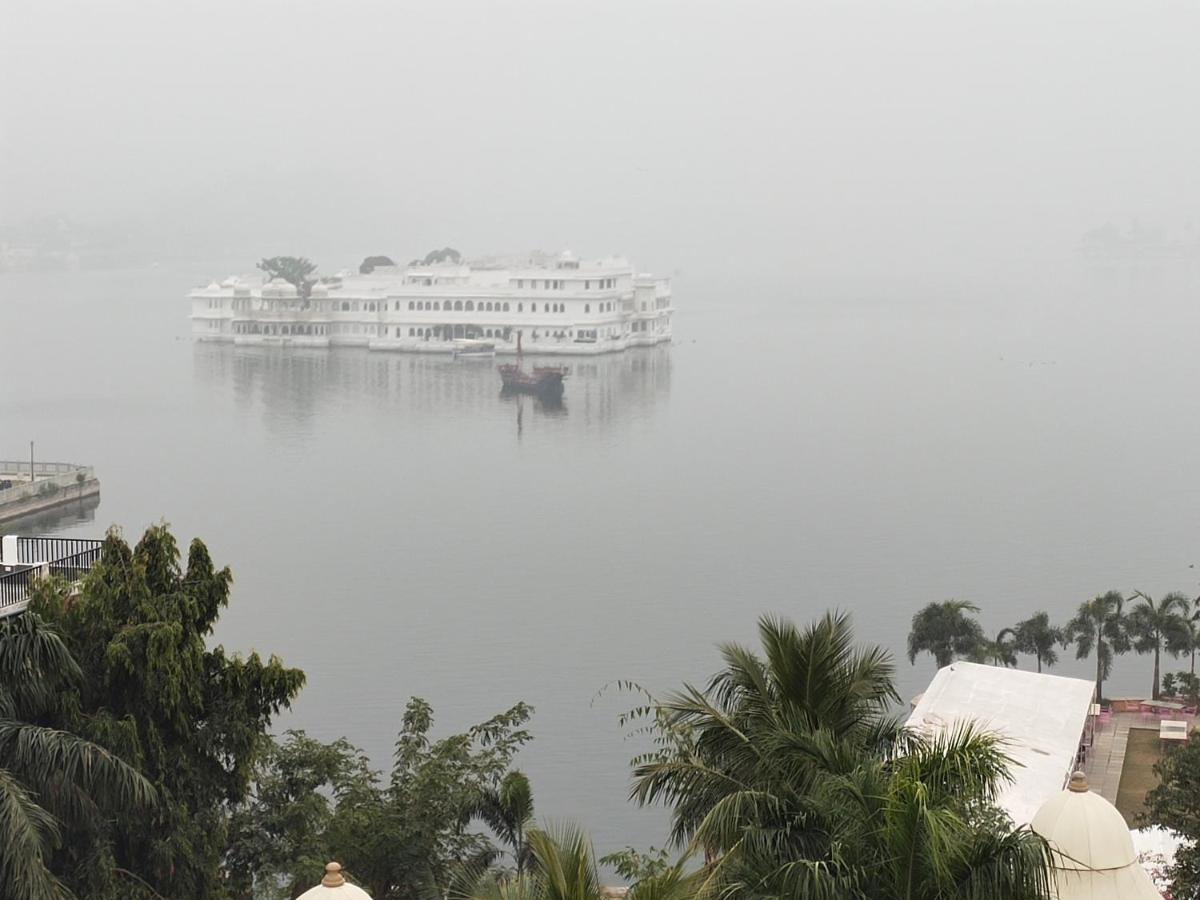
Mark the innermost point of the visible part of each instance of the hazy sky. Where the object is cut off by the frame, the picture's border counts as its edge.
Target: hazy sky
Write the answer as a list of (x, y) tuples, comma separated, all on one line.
[(840, 134)]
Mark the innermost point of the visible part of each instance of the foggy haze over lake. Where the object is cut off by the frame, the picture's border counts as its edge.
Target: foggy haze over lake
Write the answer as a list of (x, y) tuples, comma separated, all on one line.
[(894, 377), (835, 144)]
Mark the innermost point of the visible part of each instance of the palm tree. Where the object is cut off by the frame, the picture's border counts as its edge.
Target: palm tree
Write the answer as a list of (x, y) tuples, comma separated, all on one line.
[(1191, 622), (945, 631), (789, 772), (1000, 652), (508, 811), (1098, 625), (812, 682), (1037, 636), (49, 779), (1155, 626), (563, 867)]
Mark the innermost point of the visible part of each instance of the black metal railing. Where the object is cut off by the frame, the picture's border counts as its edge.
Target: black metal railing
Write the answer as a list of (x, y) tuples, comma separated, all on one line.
[(69, 558), (52, 549), (14, 587), (73, 568)]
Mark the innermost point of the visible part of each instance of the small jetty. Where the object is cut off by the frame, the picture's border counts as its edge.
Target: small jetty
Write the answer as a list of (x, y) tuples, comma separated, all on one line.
[(28, 488)]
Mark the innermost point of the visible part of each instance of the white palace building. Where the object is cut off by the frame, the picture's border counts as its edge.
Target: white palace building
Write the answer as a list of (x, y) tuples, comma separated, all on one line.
[(552, 304)]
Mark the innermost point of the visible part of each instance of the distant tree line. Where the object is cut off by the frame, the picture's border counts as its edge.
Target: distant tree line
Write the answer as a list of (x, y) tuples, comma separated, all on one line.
[(1103, 627)]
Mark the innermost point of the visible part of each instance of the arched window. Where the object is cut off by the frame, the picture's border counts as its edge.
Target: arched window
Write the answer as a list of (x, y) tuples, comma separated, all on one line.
[(506, 307), (436, 306), (587, 307), (470, 306), (489, 308), (345, 307), (458, 305), (410, 304), (520, 307)]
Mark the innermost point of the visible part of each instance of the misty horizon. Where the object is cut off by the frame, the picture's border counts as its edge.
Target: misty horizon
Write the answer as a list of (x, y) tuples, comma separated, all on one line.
[(844, 139)]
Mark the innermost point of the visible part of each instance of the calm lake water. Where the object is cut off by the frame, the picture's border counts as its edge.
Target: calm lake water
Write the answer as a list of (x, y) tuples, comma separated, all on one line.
[(395, 527)]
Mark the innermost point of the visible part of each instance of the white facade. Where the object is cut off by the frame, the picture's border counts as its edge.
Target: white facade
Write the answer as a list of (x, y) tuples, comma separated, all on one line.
[(555, 305)]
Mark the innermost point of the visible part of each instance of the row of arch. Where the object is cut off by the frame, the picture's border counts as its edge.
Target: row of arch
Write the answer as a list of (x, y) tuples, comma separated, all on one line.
[(490, 306), (458, 331)]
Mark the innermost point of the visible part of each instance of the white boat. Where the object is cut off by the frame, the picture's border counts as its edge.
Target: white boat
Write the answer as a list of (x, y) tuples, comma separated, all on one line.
[(468, 348), (547, 304)]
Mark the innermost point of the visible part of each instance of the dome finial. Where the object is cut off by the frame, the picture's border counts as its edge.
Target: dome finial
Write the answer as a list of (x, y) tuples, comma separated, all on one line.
[(1078, 783), (333, 876)]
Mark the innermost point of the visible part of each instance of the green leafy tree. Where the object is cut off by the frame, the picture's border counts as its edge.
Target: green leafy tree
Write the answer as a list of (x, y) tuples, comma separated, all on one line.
[(636, 865), (52, 781), (295, 270), (947, 631), (1037, 637), (1173, 804), (368, 265), (1158, 626), (790, 774), (400, 837), (190, 718), (446, 254), (1099, 627), (279, 835)]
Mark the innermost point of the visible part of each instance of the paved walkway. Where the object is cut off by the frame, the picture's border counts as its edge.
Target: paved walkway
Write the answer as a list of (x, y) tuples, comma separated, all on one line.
[(1106, 757)]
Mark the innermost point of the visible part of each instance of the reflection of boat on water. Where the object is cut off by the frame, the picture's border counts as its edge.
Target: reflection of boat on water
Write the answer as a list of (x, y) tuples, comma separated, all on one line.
[(468, 348), (545, 381), (296, 389)]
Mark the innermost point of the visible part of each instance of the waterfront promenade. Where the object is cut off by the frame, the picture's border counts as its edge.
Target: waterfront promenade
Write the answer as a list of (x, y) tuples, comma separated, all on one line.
[(28, 488)]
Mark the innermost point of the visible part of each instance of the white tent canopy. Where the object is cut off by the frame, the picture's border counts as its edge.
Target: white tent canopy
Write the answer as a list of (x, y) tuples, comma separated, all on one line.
[(1042, 718)]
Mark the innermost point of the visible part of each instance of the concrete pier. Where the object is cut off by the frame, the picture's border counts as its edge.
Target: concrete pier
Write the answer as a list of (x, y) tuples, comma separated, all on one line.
[(26, 491)]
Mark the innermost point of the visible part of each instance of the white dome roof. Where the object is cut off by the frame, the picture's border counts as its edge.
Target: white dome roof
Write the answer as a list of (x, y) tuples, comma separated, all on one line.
[(319, 290), (1085, 829), (1092, 849), (277, 287), (334, 886)]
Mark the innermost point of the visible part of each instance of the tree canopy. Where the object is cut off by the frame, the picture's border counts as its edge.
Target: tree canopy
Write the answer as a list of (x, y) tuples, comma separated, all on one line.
[(1099, 626), (1155, 626), (1037, 637), (446, 254), (293, 269), (52, 781), (1173, 804), (371, 263), (947, 631), (402, 837), (790, 772), (191, 719)]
